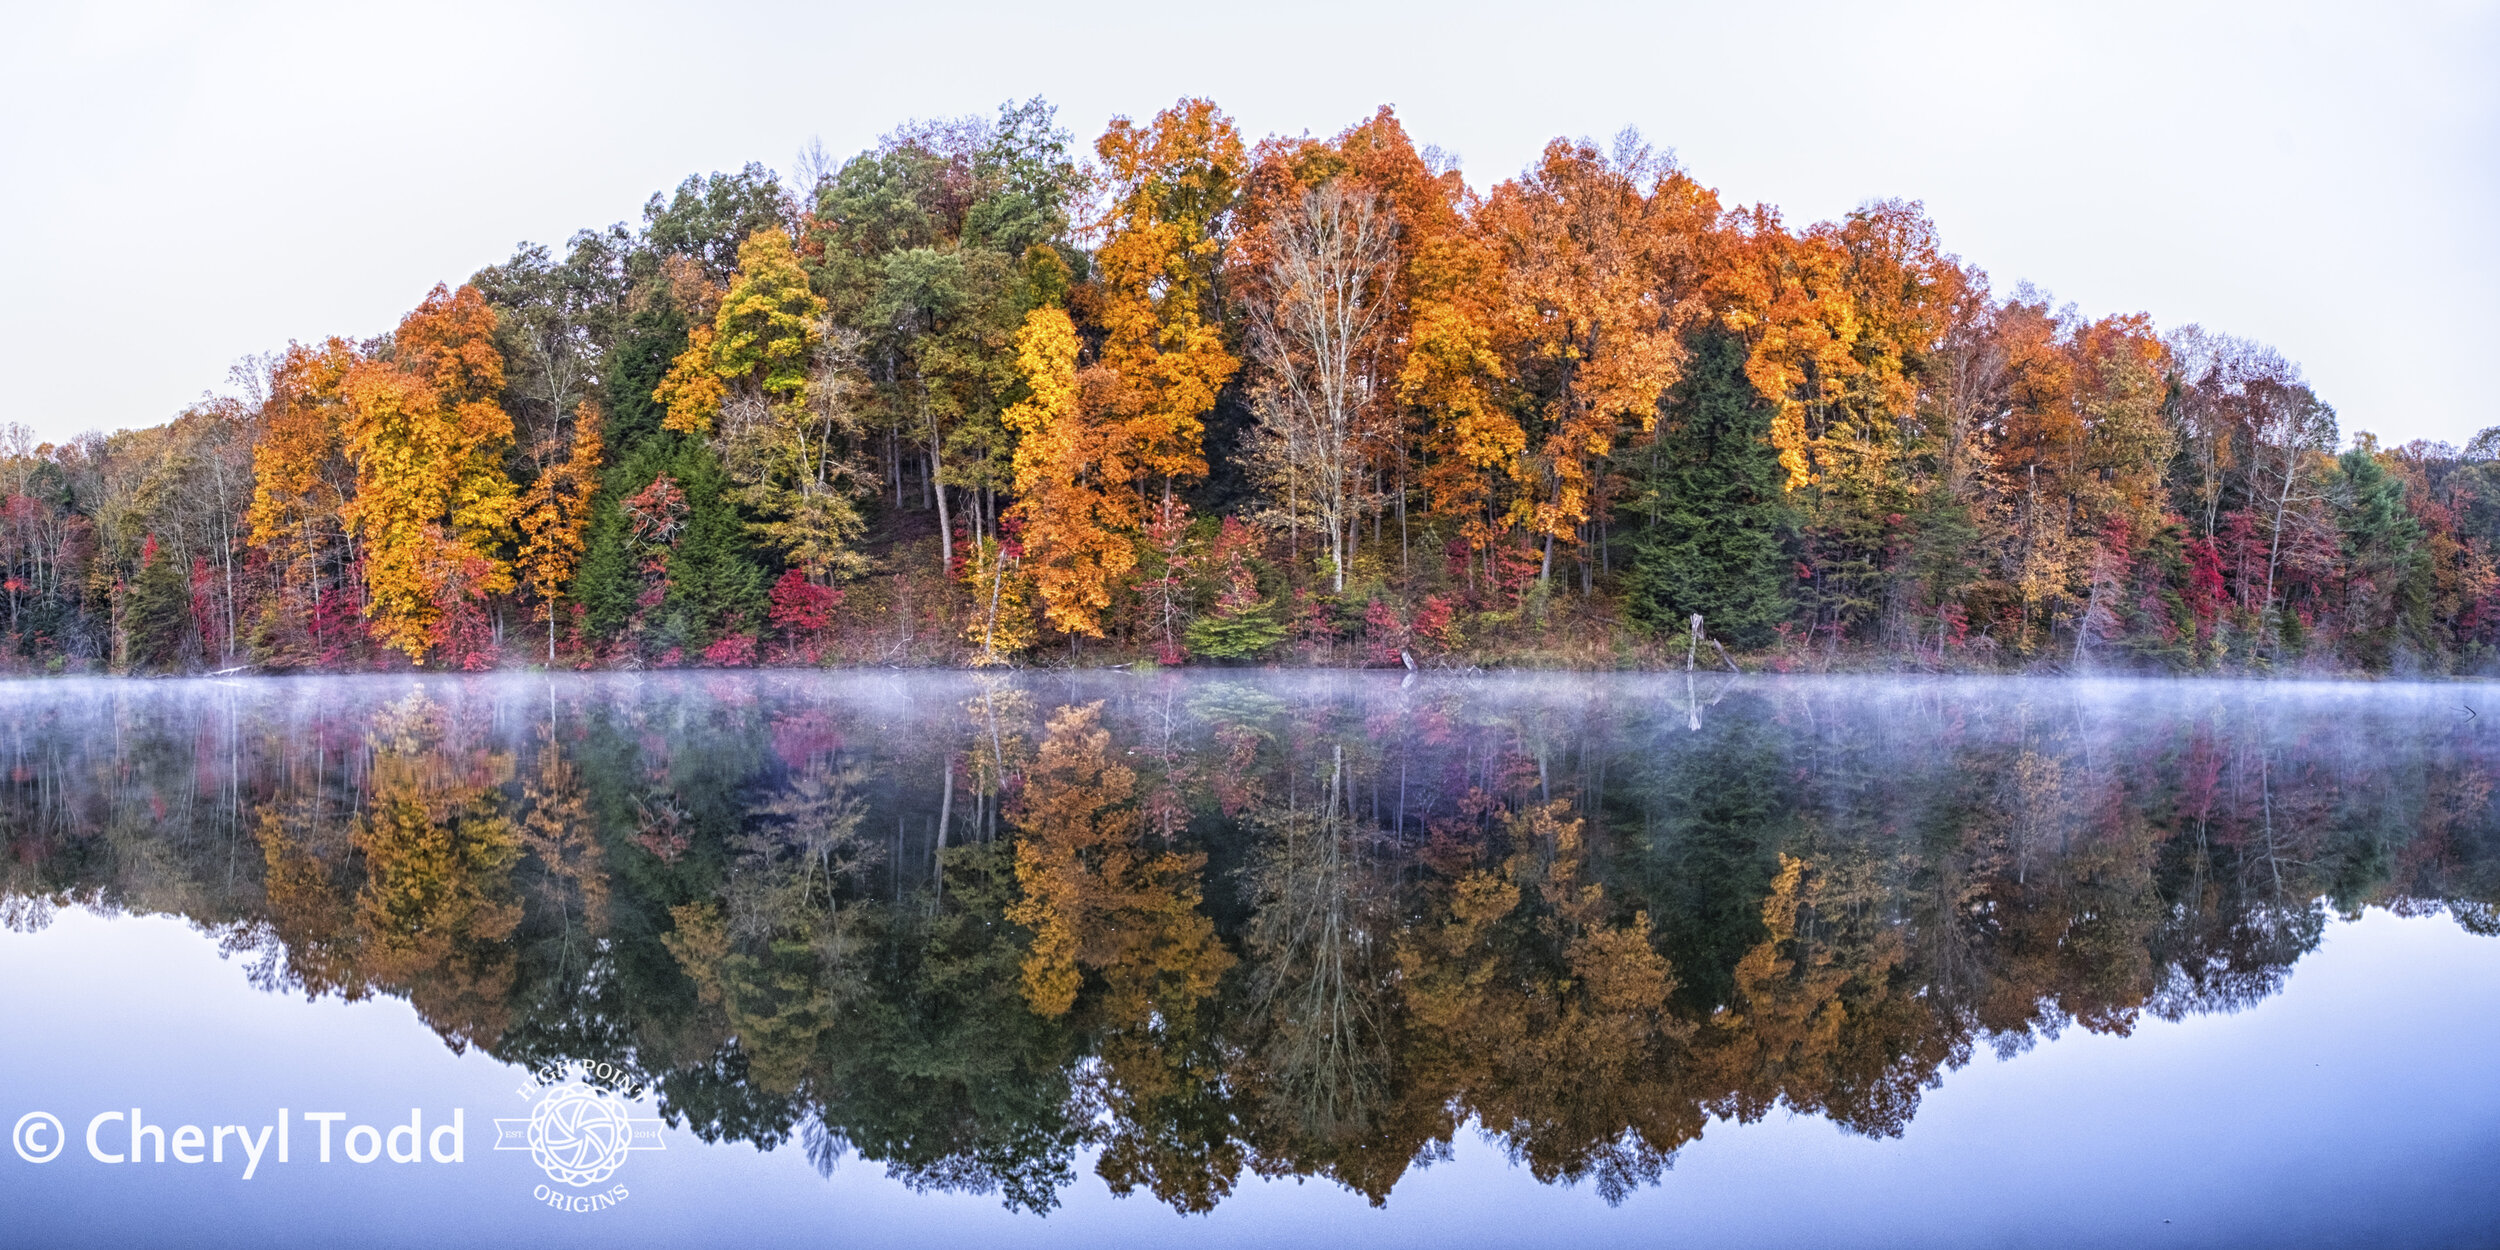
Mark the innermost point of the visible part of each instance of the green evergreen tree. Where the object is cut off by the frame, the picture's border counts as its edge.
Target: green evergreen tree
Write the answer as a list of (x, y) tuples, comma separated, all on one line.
[(606, 584), (1236, 632), (651, 339), (1717, 812), (714, 583), (159, 620), (1717, 518), (2387, 572)]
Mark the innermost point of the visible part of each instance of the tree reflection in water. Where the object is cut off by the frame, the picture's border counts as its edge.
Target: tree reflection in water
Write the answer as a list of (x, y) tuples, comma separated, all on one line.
[(978, 929)]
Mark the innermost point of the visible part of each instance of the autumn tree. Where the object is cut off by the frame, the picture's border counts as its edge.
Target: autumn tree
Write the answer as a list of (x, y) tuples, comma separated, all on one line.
[(437, 903), (1171, 189), (775, 396), (927, 248), (1073, 466), (1104, 900), (1455, 385), (1315, 326), (1113, 386), (427, 437), (554, 519), (1584, 322)]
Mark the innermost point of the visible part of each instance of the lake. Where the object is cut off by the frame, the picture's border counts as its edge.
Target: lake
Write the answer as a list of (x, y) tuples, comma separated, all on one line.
[(1211, 958)]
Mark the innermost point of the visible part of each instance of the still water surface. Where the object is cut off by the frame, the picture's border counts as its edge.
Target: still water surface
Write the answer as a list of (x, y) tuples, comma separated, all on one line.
[(1204, 959)]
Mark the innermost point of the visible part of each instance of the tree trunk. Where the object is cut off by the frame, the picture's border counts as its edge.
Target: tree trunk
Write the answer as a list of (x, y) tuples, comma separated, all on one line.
[(2274, 556), (946, 526), (1403, 563)]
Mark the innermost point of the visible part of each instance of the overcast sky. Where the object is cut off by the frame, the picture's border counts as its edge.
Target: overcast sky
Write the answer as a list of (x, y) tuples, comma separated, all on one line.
[(189, 184)]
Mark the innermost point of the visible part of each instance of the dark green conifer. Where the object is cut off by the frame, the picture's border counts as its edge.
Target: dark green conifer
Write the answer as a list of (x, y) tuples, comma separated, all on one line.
[(159, 621), (1718, 521)]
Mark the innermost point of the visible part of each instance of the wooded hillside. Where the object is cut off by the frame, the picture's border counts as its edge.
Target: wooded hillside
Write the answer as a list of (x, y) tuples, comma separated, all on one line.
[(970, 397)]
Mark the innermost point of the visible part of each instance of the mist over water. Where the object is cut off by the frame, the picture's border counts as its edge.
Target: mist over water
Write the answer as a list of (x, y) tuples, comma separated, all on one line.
[(1017, 945)]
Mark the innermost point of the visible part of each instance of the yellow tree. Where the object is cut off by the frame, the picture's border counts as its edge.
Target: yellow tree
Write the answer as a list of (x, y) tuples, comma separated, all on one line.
[(1072, 471), (555, 518), (1094, 894), (1452, 379), (308, 890), (1788, 299), (301, 485), (1172, 188), (1535, 1011), (761, 340), (1835, 321), (776, 396), (1842, 327), (427, 438)]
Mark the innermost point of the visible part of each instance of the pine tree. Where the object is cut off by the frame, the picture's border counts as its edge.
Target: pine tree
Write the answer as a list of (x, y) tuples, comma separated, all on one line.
[(1716, 507), (705, 583), (653, 336), (2387, 574), (604, 586), (160, 611), (716, 587)]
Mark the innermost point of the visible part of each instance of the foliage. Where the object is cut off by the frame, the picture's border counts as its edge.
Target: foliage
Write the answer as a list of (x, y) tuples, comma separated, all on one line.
[(1205, 397), (1243, 622), (1071, 478), (427, 438)]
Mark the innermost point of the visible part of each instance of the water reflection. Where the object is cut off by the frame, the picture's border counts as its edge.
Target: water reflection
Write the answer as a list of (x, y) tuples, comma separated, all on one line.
[(977, 930)]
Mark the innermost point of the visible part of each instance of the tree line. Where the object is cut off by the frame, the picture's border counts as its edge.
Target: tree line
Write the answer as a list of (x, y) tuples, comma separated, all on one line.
[(969, 398)]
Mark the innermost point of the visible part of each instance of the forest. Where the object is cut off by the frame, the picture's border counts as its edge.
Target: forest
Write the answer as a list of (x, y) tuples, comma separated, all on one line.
[(974, 397)]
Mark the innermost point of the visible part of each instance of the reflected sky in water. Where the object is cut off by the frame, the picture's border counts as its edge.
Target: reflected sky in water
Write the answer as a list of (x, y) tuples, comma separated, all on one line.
[(1145, 959)]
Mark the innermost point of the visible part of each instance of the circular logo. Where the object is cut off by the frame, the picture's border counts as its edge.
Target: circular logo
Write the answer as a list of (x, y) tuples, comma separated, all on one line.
[(579, 1134), (28, 1137)]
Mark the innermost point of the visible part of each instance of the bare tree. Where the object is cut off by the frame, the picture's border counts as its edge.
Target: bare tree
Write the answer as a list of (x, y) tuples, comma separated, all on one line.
[(2223, 385), (551, 317), (1314, 334), (1971, 378), (2293, 428)]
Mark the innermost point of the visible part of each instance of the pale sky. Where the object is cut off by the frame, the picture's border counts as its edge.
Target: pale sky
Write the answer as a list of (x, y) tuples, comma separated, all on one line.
[(190, 184)]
